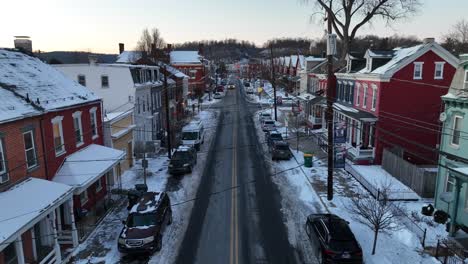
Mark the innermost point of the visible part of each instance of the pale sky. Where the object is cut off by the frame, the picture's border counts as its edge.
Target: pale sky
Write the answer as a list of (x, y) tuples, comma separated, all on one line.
[(99, 25)]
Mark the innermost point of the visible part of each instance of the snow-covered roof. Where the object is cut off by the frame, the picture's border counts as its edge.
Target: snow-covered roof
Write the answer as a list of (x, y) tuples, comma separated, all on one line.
[(306, 96), (175, 72), (14, 107), (380, 53), (312, 58), (185, 57), (128, 56), (301, 61), (24, 204), (46, 87), (84, 167), (457, 88), (463, 170), (287, 60), (293, 60)]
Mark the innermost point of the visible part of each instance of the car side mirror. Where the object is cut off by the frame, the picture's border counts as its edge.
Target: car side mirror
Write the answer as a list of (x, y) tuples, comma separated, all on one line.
[(124, 222)]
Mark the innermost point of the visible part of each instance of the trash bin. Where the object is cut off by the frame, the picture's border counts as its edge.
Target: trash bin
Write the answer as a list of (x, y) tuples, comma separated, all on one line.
[(308, 160)]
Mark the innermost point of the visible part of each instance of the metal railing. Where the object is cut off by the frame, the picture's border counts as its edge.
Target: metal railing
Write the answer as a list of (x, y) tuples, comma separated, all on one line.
[(449, 252)]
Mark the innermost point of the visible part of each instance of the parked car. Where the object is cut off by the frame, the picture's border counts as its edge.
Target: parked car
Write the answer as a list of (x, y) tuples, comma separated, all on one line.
[(220, 88), (183, 160), (193, 134), (145, 224), (231, 86), (332, 239), (264, 116), (272, 136), (217, 95), (268, 125), (280, 150)]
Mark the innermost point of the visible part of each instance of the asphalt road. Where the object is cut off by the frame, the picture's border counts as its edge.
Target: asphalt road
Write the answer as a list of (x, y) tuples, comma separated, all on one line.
[(242, 224)]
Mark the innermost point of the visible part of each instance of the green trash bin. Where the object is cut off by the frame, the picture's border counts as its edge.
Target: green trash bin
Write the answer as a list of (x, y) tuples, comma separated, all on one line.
[(308, 160)]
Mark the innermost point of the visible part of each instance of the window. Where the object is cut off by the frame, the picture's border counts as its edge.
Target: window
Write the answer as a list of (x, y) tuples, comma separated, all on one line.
[(439, 70), (457, 120), (449, 183), (364, 100), (358, 87), (9, 254), (82, 80), (104, 81), (84, 197), (93, 121), (30, 149), (3, 167), (58, 135), (78, 128), (98, 185), (374, 97), (418, 70)]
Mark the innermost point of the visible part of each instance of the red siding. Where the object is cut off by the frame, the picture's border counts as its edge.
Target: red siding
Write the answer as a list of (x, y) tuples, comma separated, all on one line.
[(13, 144), (93, 196), (27, 247), (415, 99), (197, 84), (54, 162)]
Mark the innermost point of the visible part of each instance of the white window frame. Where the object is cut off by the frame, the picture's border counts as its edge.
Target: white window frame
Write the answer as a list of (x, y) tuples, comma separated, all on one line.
[(93, 117), (421, 64), (358, 96), (453, 131), (374, 97), (77, 115), (58, 120), (364, 101), (33, 148), (3, 173), (84, 197), (441, 64), (99, 185), (447, 181)]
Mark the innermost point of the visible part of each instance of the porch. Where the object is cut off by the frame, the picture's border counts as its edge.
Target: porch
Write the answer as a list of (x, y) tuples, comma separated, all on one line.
[(315, 110), (32, 231)]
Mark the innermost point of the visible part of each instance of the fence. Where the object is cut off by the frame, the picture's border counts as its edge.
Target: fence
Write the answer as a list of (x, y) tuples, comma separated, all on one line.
[(449, 252), (420, 180)]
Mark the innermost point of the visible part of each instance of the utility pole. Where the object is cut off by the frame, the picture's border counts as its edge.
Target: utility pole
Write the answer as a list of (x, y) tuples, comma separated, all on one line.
[(273, 81), (329, 115), (168, 123)]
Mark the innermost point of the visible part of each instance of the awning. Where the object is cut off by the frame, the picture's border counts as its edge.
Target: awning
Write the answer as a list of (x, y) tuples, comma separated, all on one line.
[(318, 100), (84, 167), (26, 203), (306, 97), (354, 113)]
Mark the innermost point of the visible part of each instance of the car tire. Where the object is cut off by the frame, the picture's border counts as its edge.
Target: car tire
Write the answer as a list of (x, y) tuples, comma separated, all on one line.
[(158, 243)]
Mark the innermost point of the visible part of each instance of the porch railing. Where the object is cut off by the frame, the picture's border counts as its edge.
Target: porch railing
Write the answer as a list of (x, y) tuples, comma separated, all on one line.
[(50, 258), (315, 120), (360, 152)]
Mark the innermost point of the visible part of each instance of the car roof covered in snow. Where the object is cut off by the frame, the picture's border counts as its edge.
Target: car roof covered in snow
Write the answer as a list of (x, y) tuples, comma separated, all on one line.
[(39, 84), (148, 203), (184, 148)]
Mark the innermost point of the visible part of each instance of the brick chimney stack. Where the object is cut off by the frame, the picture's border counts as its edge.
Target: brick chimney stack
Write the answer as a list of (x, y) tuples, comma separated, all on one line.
[(121, 48)]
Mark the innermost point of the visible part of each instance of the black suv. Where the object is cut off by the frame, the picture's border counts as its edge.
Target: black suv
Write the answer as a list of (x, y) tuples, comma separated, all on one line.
[(280, 150), (332, 240), (272, 136), (146, 222), (183, 160)]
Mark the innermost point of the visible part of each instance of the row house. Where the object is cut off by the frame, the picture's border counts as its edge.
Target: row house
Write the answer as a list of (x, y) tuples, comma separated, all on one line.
[(383, 102), (451, 193), (124, 87), (192, 64), (50, 126)]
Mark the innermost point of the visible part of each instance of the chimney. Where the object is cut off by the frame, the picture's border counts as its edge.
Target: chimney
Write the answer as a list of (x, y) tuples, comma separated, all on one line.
[(23, 43), (200, 49), (121, 48), (428, 40), (92, 58)]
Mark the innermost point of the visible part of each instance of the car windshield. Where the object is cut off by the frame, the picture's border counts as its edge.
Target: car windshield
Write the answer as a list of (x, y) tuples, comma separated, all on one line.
[(181, 155), (282, 147), (343, 245), (269, 123), (135, 220), (189, 135), (276, 136)]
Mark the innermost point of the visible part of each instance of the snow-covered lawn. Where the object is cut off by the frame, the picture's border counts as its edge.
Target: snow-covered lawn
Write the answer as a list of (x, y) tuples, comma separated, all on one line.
[(303, 192), (101, 245)]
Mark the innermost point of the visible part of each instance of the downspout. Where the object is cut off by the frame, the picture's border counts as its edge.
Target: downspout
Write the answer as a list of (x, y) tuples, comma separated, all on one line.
[(46, 168)]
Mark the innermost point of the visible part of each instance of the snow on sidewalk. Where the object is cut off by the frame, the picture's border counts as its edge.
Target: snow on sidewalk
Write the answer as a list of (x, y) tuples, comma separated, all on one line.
[(101, 245)]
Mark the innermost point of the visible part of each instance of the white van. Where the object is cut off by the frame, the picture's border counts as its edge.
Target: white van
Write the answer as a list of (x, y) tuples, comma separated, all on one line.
[(193, 134)]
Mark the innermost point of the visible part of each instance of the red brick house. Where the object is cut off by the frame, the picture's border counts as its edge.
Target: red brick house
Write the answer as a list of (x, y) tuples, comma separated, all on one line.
[(397, 93), (50, 139), (192, 64)]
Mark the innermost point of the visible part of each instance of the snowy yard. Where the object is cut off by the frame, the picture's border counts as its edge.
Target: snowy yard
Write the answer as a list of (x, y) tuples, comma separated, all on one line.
[(304, 192), (101, 245)]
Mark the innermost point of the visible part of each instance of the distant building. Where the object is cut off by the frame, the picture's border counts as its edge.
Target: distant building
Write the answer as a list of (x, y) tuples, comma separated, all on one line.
[(192, 64)]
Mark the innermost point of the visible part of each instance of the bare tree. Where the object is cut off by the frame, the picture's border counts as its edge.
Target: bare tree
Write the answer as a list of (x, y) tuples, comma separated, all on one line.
[(348, 16), (456, 40), (149, 37), (377, 214)]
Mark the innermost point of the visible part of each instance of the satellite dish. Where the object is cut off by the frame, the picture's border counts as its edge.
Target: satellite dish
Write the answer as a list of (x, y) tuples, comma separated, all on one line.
[(443, 117)]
